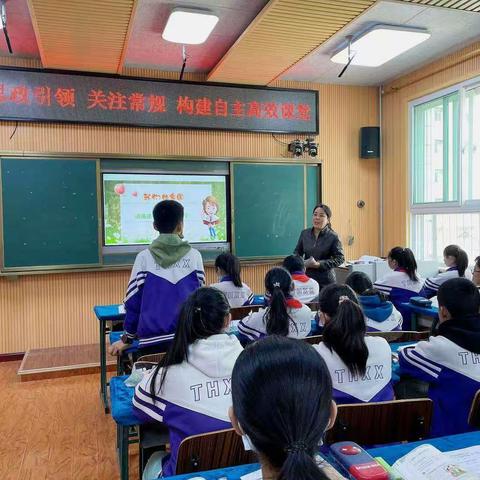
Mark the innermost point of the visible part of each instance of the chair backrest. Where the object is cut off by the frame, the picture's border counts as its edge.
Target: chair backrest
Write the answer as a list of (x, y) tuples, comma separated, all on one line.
[(213, 450), (382, 422), (314, 339), (401, 336), (474, 416), (149, 361), (241, 312)]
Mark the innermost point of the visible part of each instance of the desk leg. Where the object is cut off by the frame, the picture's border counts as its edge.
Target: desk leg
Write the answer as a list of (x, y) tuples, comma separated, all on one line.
[(122, 443), (103, 367)]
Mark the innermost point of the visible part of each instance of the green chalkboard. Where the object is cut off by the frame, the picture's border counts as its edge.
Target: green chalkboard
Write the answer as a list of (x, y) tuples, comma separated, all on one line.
[(269, 203), (50, 213)]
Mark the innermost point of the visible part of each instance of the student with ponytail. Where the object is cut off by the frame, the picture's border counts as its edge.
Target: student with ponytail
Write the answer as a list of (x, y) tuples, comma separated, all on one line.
[(403, 282), (178, 392), (456, 261), (360, 366), (227, 267), (284, 314), (282, 406)]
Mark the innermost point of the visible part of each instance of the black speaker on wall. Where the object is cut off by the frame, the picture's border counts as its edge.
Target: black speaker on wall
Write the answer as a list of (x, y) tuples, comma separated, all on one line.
[(370, 142)]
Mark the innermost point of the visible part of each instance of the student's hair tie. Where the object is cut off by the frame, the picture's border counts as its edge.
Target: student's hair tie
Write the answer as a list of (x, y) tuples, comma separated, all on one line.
[(343, 298), (276, 285), (297, 447), (197, 310)]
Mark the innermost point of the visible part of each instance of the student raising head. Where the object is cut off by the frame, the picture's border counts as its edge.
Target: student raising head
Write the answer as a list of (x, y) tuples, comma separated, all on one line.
[(380, 314), (360, 366), (450, 362), (282, 406), (178, 392), (403, 282), (227, 267), (284, 314), (306, 288), (163, 275), (456, 261)]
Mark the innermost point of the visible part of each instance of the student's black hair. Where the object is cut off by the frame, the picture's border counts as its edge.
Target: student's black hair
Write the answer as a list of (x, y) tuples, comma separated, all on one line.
[(294, 263), (373, 292), (202, 315), (231, 266), (278, 285), (358, 282), (327, 210), (282, 398), (477, 262), (459, 296), (167, 214), (406, 260), (345, 332), (461, 258)]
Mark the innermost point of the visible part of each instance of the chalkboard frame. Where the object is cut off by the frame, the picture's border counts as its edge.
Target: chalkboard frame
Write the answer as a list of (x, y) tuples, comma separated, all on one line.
[(51, 268), (159, 80)]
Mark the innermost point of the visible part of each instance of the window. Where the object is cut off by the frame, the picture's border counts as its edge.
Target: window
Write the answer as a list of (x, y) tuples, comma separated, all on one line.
[(445, 172)]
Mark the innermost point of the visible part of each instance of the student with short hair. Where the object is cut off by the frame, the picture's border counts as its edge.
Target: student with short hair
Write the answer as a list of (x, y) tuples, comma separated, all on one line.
[(189, 391), (282, 406), (227, 267), (450, 362), (306, 288), (162, 277), (456, 261), (360, 366), (476, 272), (284, 315), (380, 314), (403, 282)]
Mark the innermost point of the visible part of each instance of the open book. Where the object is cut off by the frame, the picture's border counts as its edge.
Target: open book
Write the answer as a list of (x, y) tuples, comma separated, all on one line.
[(428, 463)]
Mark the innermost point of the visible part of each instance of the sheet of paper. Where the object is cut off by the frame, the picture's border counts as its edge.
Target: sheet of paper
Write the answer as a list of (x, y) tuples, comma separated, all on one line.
[(428, 463), (257, 475), (121, 309), (469, 458)]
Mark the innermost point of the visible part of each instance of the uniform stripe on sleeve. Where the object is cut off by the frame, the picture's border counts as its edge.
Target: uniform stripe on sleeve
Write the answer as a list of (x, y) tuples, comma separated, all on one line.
[(417, 361), (133, 280)]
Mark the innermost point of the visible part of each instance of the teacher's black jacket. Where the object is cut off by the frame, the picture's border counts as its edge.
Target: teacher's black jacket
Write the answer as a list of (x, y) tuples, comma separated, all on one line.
[(327, 249)]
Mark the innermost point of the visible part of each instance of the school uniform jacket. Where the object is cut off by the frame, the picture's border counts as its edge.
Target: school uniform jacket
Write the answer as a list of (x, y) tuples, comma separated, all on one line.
[(155, 294), (380, 316), (254, 326), (450, 363), (432, 284), (236, 296), (196, 395), (374, 386), (306, 288)]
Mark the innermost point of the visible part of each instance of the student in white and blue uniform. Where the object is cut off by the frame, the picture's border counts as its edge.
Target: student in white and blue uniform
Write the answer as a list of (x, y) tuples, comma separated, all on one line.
[(284, 315), (360, 366), (162, 278), (380, 314), (306, 288), (227, 267), (456, 261), (190, 390), (450, 362), (403, 282)]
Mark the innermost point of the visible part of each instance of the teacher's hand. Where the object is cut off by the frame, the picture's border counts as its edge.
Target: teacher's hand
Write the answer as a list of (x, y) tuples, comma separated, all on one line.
[(311, 263)]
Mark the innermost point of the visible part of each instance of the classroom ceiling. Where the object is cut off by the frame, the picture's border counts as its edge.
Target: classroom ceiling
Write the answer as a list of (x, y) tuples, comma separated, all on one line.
[(255, 41)]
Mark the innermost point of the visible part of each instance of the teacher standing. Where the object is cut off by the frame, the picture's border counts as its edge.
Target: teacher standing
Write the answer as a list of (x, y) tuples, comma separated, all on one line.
[(321, 247)]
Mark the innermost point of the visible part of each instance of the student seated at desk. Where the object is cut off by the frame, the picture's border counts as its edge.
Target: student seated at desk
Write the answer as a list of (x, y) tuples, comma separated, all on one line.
[(450, 362), (282, 406), (456, 261), (227, 267), (162, 278), (403, 282), (380, 314), (187, 391), (306, 288), (360, 366), (284, 314)]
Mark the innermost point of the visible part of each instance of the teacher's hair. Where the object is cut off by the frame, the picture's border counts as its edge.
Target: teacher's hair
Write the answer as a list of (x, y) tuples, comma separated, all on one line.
[(278, 286), (202, 315), (282, 398), (345, 332), (327, 210)]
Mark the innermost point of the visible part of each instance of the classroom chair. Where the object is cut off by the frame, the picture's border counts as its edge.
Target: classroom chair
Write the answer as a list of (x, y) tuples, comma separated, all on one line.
[(314, 339), (382, 422), (401, 336), (213, 450), (474, 416)]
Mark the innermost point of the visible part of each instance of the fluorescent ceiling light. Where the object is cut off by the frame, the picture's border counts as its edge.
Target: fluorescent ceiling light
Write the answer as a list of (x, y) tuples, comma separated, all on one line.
[(381, 44), (189, 26)]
